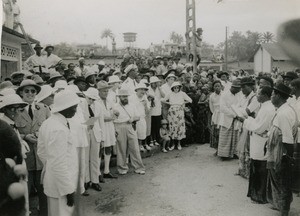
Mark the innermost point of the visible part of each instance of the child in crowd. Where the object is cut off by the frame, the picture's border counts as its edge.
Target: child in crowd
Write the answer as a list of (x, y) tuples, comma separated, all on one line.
[(165, 135)]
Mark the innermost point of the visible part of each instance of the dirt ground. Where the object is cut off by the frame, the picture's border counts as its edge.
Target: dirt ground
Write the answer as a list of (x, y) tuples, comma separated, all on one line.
[(190, 182)]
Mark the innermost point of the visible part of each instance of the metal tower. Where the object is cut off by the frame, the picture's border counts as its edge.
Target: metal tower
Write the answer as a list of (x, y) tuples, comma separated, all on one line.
[(190, 29)]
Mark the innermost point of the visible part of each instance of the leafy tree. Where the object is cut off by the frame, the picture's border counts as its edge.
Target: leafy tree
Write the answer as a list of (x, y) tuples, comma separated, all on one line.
[(64, 50), (107, 33), (237, 46), (176, 38)]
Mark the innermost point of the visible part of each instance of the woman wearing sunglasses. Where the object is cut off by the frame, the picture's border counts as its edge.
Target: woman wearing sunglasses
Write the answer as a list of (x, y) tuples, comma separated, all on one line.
[(28, 123), (176, 99)]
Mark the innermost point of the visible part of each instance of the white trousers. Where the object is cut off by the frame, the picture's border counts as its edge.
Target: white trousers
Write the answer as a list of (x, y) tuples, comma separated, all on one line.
[(58, 207), (92, 159), (82, 164)]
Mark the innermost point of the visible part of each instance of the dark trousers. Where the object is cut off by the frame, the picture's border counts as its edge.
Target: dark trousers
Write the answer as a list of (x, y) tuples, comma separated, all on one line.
[(258, 181), (34, 182), (155, 126), (279, 192)]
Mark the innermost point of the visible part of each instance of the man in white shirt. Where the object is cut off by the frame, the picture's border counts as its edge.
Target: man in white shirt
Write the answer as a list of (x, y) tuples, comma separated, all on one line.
[(82, 69), (51, 60), (36, 63), (130, 83), (58, 155), (229, 133), (258, 128), (127, 141)]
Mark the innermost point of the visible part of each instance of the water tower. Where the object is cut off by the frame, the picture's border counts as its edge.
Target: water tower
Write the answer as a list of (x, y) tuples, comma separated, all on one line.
[(129, 38)]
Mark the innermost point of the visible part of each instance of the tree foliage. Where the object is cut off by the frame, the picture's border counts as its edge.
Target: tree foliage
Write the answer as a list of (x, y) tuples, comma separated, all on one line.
[(176, 38), (64, 50)]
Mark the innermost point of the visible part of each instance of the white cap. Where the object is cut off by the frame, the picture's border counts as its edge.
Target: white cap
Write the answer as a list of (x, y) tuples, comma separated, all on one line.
[(92, 93), (45, 92), (175, 84), (64, 100), (12, 99), (114, 79)]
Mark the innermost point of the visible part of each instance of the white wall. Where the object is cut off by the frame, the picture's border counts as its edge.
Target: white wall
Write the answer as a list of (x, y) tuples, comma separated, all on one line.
[(262, 61)]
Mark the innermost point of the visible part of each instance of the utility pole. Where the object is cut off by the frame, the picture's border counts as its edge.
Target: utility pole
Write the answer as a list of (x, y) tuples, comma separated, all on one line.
[(226, 48), (190, 30)]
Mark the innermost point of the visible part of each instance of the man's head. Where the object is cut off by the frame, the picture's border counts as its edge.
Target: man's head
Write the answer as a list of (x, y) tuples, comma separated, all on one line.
[(265, 81), (81, 61), (235, 86), (295, 87), (69, 112), (71, 66), (264, 94), (155, 62), (38, 49), (247, 84), (101, 65), (123, 99), (224, 76), (65, 103), (49, 50), (165, 60), (187, 78), (289, 77), (280, 94), (103, 88)]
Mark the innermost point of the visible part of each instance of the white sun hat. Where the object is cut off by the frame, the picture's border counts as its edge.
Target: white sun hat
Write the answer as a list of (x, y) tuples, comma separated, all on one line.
[(92, 93), (114, 79), (89, 73), (73, 88), (141, 86), (175, 84), (45, 92), (7, 91), (12, 99), (154, 79), (60, 84), (101, 63), (130, 68), (64, 100), (54, 74)]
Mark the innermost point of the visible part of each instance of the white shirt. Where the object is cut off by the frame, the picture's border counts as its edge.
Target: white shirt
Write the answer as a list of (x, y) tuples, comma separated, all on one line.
[(179, 98), (214, 105), (285, 120), (297, 109), (52, 60), (259, 127), (166, 88), (34, 61), (81, 72), (226, 113), (156, 110), (59, 157), (138, 104), (126, 112)]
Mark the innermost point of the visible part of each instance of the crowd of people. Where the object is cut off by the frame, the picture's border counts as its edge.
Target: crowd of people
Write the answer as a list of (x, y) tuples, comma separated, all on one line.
[(58, 123)]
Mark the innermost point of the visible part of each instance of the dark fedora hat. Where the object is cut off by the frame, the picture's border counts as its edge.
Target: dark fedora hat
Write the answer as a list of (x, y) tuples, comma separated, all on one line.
[(291, 75), (247, 81), (280, 87), (38, 46)]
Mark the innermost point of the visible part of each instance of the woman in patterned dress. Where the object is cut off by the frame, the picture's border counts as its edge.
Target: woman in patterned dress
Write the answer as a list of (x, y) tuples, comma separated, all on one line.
[(177, 100)]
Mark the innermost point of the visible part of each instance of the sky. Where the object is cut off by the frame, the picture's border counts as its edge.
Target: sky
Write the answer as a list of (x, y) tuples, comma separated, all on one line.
[(82, 21)]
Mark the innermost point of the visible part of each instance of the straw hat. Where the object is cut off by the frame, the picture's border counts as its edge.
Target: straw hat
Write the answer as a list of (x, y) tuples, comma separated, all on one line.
[(236, 83), (92, 93), (12, 99), (114, 79), (16, 73), (175, 84), (28, 82), (45, 92), (64, 100), (154, 79), (123, 92), (141, 86)]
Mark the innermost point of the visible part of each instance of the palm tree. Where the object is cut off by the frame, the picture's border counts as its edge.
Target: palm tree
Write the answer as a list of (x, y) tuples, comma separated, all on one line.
[(268, 37), (105, 34)]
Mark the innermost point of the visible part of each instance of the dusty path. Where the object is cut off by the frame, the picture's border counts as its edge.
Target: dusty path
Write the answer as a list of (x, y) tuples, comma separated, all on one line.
[(191, 182)]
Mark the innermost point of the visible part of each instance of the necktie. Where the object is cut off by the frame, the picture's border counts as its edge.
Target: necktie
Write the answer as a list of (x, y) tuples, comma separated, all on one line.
[(30, 112), (68, 125), (91, 111)]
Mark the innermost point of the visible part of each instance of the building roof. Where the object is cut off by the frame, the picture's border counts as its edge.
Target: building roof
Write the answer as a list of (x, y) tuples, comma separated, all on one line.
[(15, 33), (274, 50)]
